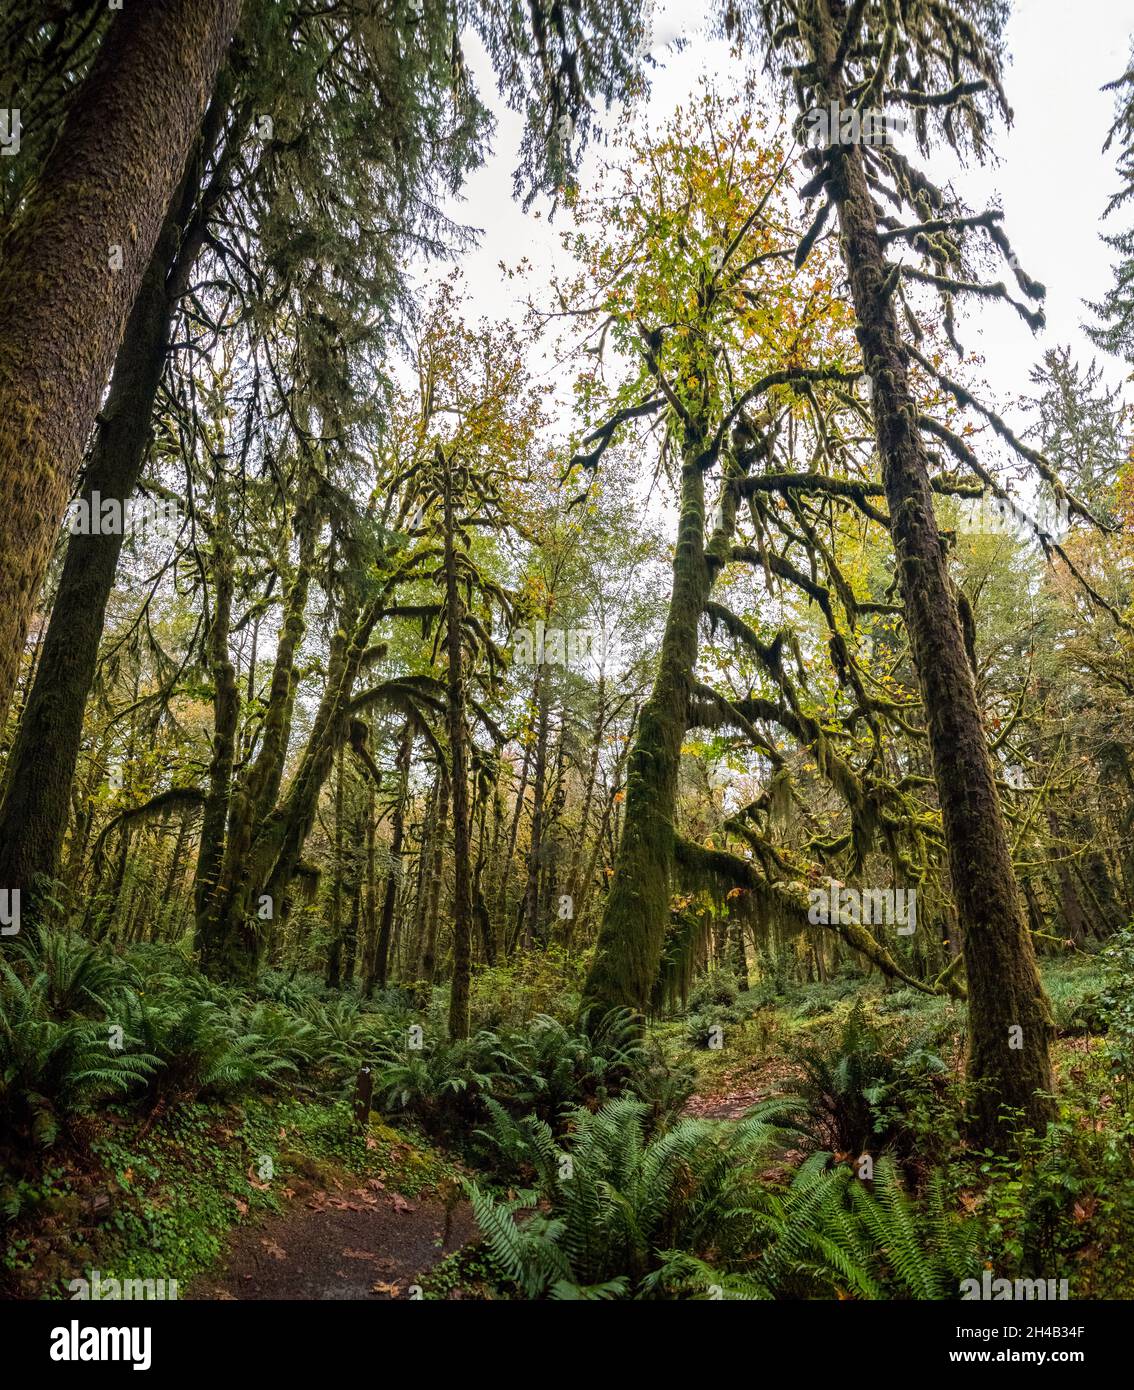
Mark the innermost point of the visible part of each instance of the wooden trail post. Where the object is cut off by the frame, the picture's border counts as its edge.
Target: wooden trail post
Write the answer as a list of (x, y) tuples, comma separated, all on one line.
[(363, 1091)]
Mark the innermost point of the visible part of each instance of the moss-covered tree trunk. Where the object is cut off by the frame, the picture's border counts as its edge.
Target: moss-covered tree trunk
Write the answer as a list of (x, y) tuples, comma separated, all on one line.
[(41, 768), (459, 772), (1009, 1019), (437, 873), (637, 909), (226, 715), (381, 966), (72, 264)]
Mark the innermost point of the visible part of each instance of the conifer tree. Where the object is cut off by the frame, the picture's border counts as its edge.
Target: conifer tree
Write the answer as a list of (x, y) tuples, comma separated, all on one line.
[(72, 264), (1115, 331), (938, 64)]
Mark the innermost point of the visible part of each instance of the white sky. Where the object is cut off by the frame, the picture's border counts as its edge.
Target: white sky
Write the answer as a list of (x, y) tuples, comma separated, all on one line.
[(1051, 179)]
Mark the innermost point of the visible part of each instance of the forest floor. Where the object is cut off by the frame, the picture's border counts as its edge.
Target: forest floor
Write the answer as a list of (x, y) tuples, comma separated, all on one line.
[(355, 1239), (285, 1198), (348, 1243)]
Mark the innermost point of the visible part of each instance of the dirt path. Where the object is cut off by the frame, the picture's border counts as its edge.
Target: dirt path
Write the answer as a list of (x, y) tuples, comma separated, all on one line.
[(352, 1243), (731, 1105), (731, 1090)]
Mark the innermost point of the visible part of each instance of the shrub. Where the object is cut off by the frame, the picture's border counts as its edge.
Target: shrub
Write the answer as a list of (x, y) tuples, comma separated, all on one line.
[(52, 1068), (541, 1070), (622, 1203)]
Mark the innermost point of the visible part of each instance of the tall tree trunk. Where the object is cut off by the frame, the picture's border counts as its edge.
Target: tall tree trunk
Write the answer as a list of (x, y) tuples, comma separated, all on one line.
[(72, 265), (41, 768), (633, 926), (579, 853), (354, 881), (421, 897), (552, 842), (370, 914), (173, 883), (529, 907), (429, 949), (513, 835), (459, 762), (1010, 1025), (397, 842), (226, 712), (335, 955), (587, 883)]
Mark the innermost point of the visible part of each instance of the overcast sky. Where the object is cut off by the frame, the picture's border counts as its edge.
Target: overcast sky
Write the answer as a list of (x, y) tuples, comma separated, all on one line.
[(1052, 178)]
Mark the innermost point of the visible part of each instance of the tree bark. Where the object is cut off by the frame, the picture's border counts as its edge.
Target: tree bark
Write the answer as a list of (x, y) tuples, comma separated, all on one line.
[(397, 839), (41, 768), (458, 757), (630, 938), (1010, 1025), (429, 949), (64, 301)]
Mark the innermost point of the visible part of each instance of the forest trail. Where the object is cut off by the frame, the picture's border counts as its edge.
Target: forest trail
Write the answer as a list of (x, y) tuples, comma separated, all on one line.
[(730, 1090), (350, 1243)]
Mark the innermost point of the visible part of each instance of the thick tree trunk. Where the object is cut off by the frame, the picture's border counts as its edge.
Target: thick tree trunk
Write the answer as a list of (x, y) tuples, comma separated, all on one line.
[(630, 938), (41, 768), (1010, 1024), (72, 265)]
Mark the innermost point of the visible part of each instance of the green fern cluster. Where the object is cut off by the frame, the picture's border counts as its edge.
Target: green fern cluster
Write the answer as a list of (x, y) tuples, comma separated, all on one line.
[(52, 1066), (686, 1214), (80, 1025), (538, 1070), (613, 1207), (834, 1233)]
